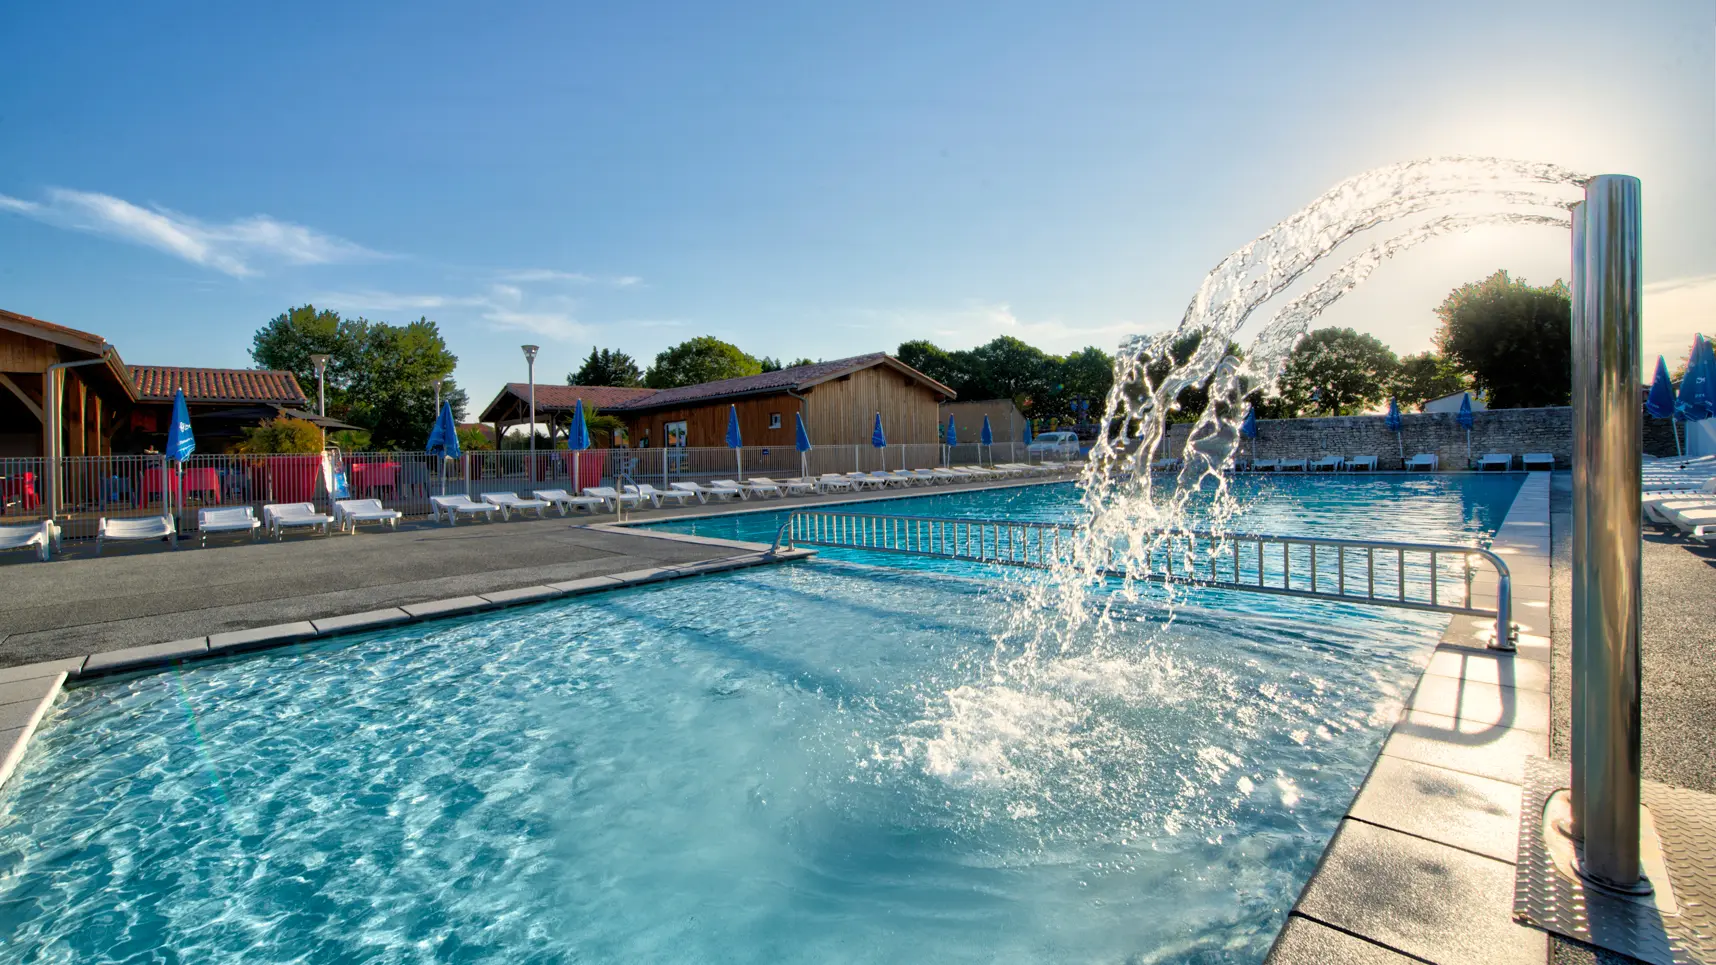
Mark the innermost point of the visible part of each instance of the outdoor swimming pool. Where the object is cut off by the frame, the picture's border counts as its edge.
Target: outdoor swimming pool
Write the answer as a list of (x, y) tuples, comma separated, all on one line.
[(801, 763)]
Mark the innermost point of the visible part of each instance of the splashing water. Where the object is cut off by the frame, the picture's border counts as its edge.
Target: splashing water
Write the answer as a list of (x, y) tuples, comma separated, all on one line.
[(1271, 289)]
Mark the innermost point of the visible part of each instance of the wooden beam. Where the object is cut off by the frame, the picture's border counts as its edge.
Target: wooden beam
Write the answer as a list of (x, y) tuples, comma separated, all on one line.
[(35, 409)]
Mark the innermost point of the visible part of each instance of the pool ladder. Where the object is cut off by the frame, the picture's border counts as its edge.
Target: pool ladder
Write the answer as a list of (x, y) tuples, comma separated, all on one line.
[(1412, 576)]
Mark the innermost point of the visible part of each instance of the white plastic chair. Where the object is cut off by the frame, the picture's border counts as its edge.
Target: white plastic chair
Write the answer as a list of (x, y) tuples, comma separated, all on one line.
[(39, 537), (226, 519), (283, 516), (136, 528), (348, 513)]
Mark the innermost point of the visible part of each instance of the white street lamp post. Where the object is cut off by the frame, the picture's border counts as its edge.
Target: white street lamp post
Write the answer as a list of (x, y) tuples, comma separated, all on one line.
[(321, 364), (530, 363)]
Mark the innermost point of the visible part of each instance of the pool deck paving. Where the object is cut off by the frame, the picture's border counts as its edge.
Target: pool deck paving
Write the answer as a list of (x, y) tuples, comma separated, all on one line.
[(1421, 868)]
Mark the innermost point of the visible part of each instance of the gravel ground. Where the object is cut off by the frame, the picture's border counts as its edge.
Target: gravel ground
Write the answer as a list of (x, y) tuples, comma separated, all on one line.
[(1679, 665)]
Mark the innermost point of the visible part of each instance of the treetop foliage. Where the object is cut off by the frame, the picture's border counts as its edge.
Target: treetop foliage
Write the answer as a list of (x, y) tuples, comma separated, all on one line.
[(607, 367), (1515, 339), (702, 359)]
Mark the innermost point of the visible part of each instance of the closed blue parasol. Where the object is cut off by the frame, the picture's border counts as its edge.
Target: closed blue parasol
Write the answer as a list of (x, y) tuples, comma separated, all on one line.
[(577, 440), (180, 442), (1698, 384), (987, 438), (879, 439), (950, 439), (1392, 421), (734, 442), (1659, 402), (1248, 428), (444, 439), (1464, 418), (1027, 432), (801, 441)]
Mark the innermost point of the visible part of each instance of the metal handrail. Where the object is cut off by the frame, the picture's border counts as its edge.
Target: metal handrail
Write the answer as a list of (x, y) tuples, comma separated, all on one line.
[(1222, 563)]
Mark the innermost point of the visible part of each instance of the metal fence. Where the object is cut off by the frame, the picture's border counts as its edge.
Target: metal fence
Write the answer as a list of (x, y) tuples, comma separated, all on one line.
[(86, 489), (1415, 576)]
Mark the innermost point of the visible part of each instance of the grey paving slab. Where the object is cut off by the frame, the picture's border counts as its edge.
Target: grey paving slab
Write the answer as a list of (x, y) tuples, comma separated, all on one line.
[(650, 575), (19, 713), (49, 668), (268, 636), (369, 619), (1498, 754), (1424, 899), (448, 607), (1489, 667), (586, 585), (28, 689), (1306, 942), (1482, 704), (1449, 807), (150, 655), (523, 594)]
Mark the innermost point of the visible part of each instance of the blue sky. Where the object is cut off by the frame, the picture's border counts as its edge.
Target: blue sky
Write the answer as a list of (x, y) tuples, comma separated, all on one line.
[(801, 179)]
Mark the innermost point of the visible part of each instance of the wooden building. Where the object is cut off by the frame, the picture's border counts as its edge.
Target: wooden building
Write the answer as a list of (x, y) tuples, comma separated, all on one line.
[(554, 405), (1006, 422), (839, 401), (106, 407)]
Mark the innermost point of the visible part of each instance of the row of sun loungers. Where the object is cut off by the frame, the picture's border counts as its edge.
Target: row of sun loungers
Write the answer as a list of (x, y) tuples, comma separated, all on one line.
[(1680, 496), (348, 514), (1419, 462)]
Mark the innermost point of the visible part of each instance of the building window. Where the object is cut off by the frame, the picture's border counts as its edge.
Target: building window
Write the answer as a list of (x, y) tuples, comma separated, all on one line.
[(674, 435), (774, 420)]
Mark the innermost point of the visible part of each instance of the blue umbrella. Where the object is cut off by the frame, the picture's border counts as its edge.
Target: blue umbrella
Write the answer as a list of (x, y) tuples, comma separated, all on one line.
[(1027, 432), (1392, 421), (987, 437), (577, 440), (444, 439), (951, 439), (879, 439), (180, 442), (733, 441), (1659, 402), (801, 441), (1465, 420), (1248, 428), (1701, 372)]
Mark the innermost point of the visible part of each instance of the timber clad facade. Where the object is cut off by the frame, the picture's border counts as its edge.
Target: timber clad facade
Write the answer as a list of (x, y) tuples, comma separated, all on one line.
[(839, 401)]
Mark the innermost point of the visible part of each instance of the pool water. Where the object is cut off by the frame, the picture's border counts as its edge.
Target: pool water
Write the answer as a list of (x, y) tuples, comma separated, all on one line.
[(812, 762)]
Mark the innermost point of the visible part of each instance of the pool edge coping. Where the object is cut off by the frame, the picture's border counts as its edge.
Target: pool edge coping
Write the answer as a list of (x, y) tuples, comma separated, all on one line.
[(1338, 898)]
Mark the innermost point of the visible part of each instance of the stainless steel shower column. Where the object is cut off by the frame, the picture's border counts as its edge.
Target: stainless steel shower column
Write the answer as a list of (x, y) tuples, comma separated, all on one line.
[(1606, 660), (1584, 351)]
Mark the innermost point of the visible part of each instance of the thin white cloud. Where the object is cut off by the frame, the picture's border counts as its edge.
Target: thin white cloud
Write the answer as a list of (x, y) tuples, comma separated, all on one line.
[(539, 275), (979, 322), (234, 247), (503, 307), (383, 301)]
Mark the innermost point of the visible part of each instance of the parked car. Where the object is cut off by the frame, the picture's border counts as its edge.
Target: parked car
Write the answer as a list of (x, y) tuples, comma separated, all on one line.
[(1055, 445)]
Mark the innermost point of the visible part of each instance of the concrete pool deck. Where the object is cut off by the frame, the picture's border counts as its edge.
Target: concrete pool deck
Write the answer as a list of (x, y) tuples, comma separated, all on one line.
[(1421, 869)]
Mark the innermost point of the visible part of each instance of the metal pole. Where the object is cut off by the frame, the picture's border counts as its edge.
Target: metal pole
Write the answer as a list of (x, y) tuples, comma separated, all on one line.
[(530, 363), (1583, 461), (1608, 775)]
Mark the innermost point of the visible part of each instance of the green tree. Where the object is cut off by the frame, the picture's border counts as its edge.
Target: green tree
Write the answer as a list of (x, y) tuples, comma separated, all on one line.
[(284, 434), (607, 367), (702, 359), (801, 360), (1336, 371), (1515, 339), (1426, 376), (380, 377), (769, 364), (474, 439)]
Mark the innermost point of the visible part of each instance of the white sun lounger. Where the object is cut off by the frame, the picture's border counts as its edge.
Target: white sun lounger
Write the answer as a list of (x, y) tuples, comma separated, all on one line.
[(976, 471), (1495, 460), (564, 500), (1662, 511), (830, 482), (283, 516), (453, 506), (1367, 463), (613, 498), (1265, 465), (146, 527), (1424, 460), (1302, 465), (924, 476), (226, 519), (863, 480), (349, 513), (510, 503), (1538, 461), (1693, 520), (704, 492), (751, 487), (1328, 464), (38, 537), (895, 477), (787, 486), (655, 496), (950, 475)]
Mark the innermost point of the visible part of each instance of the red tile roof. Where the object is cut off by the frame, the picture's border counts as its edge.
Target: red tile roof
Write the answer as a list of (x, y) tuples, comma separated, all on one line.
[(558, 398), (156, 383), (797, 378), (54, 332)]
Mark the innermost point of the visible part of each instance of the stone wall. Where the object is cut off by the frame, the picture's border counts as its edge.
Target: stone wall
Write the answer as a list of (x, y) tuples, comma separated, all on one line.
[(1514, 431)]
